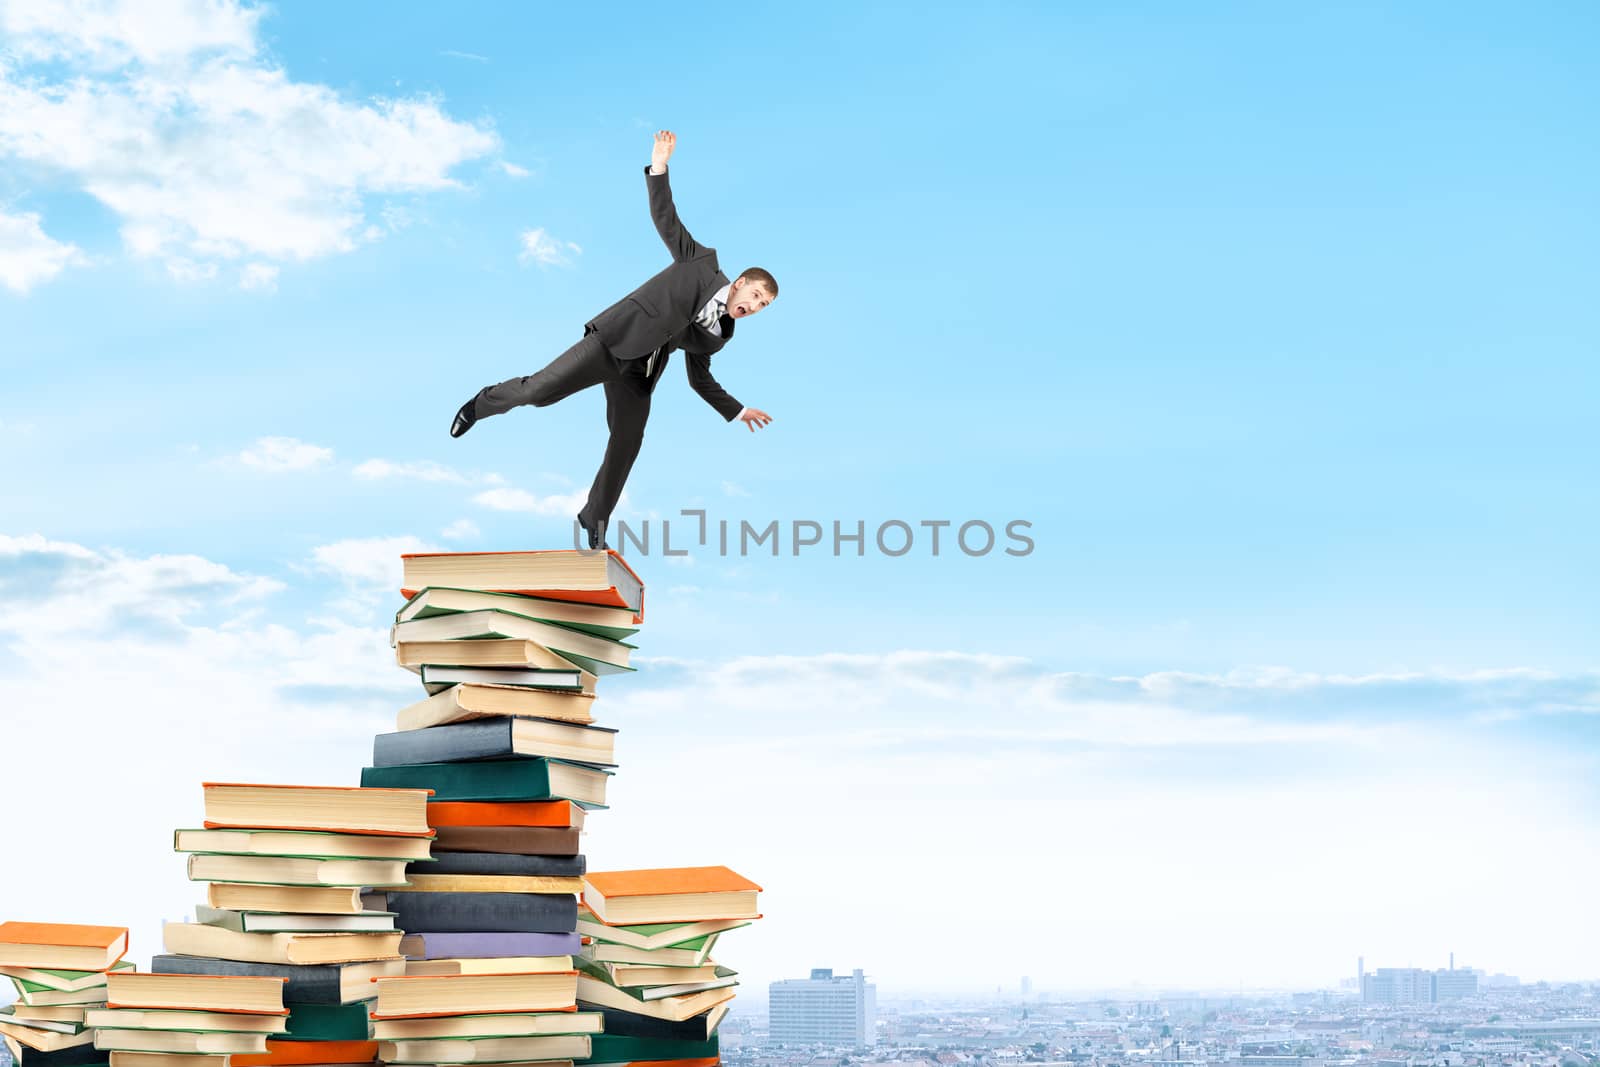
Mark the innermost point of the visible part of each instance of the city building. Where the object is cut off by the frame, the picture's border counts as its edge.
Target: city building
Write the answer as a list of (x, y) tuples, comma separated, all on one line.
[(1413, 985), (1454, 985), (1397, 985), (824, 1009)]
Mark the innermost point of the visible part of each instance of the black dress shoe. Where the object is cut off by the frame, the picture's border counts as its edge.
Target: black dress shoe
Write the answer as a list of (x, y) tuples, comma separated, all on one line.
[(596, 532), (464, 418)]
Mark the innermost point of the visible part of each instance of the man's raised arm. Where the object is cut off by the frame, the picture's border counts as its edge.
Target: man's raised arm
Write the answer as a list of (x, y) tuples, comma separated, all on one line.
[(662, 212)]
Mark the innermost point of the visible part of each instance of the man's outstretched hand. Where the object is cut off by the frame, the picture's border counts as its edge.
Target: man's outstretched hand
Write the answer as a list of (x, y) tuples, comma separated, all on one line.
[(661, 151), (754, 418)]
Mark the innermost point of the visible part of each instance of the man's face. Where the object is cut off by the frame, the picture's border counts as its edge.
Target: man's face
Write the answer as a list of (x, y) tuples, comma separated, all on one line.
[(747, 298)]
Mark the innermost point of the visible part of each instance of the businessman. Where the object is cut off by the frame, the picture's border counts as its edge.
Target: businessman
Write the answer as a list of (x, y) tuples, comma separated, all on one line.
[(690, 305)]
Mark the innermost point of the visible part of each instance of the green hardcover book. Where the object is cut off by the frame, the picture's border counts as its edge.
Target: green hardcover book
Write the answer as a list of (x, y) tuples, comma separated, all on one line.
[(300, 844), (329, 1022), (39, 979), (655, 935), (613, 623), (615, 1048), (597, 655), (8, 1015), (693, 953), (507, 780), (56, 998), (726, 978)]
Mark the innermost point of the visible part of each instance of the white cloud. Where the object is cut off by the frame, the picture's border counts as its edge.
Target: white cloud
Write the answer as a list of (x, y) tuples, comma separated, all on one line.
[(169, 115), (259, 276), (734, 489), (28, 255), (422, 471), (461, 530), (547, 251), (506, 499), (367, 564), (473, 56), (278, 454), (57, 588), (108, 33), (512, 170), (187, 270)]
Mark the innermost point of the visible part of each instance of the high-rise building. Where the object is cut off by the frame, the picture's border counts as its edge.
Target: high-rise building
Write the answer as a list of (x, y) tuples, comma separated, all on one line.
[(1454, 985), (823, 1010), (1397, 985), (1413, 985), (1027, 987)]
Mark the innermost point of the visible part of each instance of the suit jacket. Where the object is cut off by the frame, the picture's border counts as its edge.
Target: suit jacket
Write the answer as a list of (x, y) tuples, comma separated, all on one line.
[(660, 313)]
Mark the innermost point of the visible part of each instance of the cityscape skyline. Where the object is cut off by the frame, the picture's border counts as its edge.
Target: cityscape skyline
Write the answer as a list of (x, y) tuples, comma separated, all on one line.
[(1532, 1025), (1024, 987)]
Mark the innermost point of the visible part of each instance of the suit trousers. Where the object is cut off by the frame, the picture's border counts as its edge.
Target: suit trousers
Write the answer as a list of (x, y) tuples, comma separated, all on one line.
[(585, 364)]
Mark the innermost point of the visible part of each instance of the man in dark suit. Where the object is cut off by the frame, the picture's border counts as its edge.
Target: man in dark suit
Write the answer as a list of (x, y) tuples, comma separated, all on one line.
[(690, 305)]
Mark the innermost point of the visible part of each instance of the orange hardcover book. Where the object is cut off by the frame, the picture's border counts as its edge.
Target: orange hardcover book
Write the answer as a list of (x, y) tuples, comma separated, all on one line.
[(560, 814), (286, 1053), (672, 894), (62, 946), (540, 569), (669, 880)]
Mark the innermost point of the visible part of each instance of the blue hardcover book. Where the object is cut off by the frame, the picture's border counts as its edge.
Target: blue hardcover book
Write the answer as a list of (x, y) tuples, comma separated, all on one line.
[(533, 913), (497, 738), (500, 863)]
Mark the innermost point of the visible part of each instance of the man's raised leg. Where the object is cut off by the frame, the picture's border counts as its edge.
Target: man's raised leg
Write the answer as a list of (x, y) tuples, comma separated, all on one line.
[(584, 364)]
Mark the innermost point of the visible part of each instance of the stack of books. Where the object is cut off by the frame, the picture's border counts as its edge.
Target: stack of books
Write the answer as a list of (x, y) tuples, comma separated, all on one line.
[(279, 966), (508, 648), (647, 964), (60, 972)]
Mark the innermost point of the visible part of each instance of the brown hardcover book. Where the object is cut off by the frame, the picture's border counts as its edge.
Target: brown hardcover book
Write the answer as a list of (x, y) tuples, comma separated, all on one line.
[(515, 840)]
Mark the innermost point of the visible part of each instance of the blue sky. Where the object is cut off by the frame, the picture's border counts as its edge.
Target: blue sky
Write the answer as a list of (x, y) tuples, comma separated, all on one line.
[(1275, 323)]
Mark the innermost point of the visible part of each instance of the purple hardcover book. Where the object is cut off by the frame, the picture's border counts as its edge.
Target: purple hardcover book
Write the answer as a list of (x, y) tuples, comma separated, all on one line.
[(487, 946)]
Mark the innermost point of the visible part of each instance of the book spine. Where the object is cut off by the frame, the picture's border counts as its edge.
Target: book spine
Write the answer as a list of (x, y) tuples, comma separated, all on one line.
[(478, 946), (495, 780), (616, 1048), (552, 913), (500, 863), (306, 985), (517, 840), (328, 1022), (479, 739), (626, 1024)]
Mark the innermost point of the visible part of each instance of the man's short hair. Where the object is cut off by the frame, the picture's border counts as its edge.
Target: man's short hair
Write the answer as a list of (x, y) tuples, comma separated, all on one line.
[(757, 274)]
